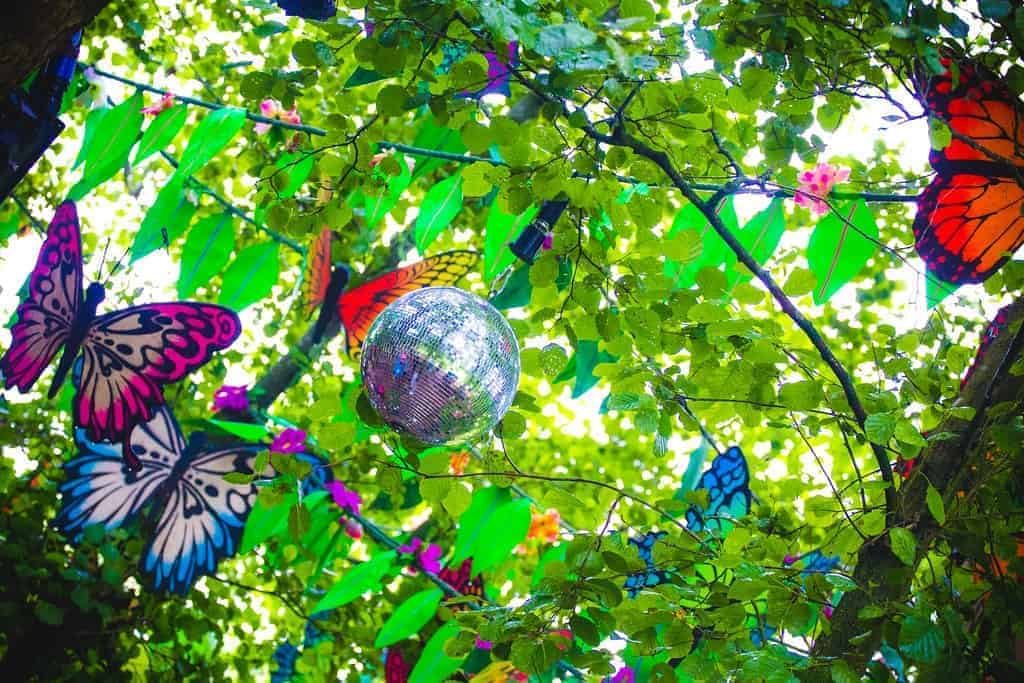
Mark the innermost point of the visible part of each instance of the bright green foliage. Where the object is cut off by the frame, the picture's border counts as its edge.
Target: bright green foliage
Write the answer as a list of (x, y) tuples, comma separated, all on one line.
[(840, 246), (206, 252), (251, 275), (637, 328), (160, 132)]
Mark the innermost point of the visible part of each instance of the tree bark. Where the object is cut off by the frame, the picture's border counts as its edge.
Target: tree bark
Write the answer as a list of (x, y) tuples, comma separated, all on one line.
[(32, 31), (882, 579)]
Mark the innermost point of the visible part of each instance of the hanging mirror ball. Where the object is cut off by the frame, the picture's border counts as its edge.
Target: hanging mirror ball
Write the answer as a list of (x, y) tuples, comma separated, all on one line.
[(441, 364)]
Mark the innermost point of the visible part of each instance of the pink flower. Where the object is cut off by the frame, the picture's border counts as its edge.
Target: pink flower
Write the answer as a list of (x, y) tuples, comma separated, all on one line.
[(353, 529), (482, 644), (411, 547), (428, 558), (344, 498), (272, 109), (827, 611), (816, 185), (549, 241), (165, 103), (788, 560), (290, 440), (623, 675), (233, 398)]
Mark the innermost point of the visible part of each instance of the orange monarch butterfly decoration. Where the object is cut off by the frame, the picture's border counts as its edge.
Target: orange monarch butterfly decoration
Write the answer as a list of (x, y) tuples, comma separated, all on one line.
[(359, 307), (969, 219)]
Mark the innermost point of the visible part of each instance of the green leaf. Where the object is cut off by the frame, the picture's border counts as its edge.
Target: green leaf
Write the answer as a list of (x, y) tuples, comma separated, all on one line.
[(880, 427), (410, 617), (442, 203), (207, 249), (48, 613), (212, 134), (361, 579), (486, 502), (501, 533), (265, 522), (501, 229), (995, 9), (160, 132), (433, 665), (921, 640), (840, 247), (904, 545), (269, 28), (109, 147), (298, 521), (251, 276), (842, 673), (554, 40), (253, 433), (935, 505), (165, 221), (292, 171)]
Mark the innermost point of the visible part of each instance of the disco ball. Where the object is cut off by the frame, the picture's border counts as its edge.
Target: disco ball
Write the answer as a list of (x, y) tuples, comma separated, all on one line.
[(440, 364)]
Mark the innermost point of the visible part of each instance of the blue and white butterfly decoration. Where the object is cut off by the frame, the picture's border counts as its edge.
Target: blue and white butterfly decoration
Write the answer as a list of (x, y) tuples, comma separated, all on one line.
[(727, 482), (199, 515)]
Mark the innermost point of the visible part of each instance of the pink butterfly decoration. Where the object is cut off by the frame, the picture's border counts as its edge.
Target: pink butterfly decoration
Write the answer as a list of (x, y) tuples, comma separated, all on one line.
[(126, 356)]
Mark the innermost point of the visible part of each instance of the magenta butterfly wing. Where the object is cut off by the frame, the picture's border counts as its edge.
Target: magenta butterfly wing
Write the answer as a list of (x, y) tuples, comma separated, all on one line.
[(126, 356), (47, 316), (129, 354)]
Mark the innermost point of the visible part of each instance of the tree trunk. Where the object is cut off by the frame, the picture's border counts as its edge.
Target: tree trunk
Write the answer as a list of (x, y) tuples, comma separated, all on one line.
[(32, 31)]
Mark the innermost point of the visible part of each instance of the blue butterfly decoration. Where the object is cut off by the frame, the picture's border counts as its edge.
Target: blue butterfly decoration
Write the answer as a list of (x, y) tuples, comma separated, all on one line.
[(28, 115), (728, 484), (286, 655), (199, 517), (729, 496), (817, 562), (320, 10), (651, 576)]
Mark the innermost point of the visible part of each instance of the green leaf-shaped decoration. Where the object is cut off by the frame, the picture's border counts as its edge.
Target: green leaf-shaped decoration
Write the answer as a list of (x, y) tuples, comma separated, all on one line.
[(363, 578), (761, 236), (251, 276), (587, 358), (245, 430), (410, 617), (840, 247), (165, 221), (936, 290), (516, 292), (502, 532), (501, 229), (207, 249), (920, 639), (442, 203), (435, 137), (264, 522), (212, 135), (292, 171), (714, 252), (108, 148), (486, 502), (160, 132), (434, 665), (93, 121)]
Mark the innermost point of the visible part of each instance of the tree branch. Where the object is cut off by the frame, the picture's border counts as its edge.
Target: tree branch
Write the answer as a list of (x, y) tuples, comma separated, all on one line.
[(881, 577)]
